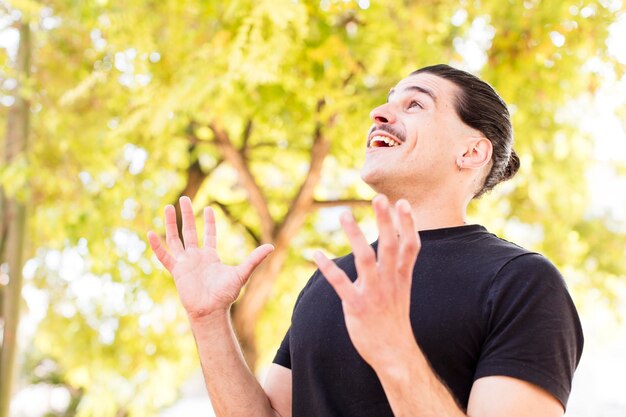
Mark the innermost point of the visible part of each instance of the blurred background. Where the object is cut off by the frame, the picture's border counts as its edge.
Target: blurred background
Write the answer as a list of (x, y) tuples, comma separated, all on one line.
[(110, 110)]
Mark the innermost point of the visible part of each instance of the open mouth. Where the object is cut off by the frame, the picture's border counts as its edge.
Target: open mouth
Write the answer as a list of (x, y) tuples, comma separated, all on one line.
[(377, 140), (382, 142)]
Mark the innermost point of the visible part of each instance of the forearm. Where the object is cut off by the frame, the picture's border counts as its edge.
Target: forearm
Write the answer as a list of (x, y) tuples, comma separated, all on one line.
[(233, 389), (413, 389)]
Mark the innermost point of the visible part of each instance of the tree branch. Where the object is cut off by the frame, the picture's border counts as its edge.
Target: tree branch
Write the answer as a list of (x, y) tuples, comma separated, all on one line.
[(234, 220), (195, 178), (246, 138), (304, 198), (350, 202), (235, 158), (246, 311), (270, 144)]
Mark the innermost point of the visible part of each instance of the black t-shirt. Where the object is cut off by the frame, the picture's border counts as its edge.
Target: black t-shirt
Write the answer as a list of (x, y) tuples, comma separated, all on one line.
[(480, 306)]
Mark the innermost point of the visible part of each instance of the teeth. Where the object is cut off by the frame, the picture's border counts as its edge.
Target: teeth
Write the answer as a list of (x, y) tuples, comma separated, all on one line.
[(390, 142)]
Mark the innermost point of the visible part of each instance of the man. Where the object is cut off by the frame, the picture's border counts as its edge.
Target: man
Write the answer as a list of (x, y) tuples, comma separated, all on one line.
[(473, 325)]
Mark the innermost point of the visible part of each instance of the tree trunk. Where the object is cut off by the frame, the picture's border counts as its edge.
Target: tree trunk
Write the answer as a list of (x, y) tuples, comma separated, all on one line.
[(12, 226), (246, 311)]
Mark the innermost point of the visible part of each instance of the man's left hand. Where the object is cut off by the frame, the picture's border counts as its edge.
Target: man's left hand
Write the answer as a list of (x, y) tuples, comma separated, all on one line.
[(376, 305)]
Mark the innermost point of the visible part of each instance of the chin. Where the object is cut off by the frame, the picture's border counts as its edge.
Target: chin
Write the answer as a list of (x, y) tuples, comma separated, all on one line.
[(368, 175), (394, 183), (379, 180)]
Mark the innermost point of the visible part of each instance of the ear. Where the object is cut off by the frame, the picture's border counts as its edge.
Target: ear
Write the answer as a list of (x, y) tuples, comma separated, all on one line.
[(476, 154)]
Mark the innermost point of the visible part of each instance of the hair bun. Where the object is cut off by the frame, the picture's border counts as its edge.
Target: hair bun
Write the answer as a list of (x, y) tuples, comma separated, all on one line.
[(512, 166)]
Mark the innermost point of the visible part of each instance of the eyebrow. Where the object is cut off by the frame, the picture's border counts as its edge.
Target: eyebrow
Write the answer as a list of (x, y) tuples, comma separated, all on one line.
[(426, 91)]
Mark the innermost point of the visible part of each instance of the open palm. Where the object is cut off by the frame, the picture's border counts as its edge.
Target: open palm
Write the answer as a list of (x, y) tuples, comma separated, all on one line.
[(203, 282)]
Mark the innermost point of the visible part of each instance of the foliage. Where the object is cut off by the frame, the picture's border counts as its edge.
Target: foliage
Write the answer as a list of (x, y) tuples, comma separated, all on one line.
[(129, 100)]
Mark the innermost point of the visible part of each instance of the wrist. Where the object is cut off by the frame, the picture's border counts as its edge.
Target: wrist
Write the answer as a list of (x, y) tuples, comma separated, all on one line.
[(399, 349), (200, 319), (413, 388), (402, 364)]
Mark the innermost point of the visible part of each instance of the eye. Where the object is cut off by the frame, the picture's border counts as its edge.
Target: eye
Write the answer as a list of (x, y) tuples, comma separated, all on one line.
[(414, 103)]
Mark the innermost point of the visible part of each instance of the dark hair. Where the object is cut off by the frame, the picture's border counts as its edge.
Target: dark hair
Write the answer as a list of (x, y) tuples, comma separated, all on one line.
[(480, 107)]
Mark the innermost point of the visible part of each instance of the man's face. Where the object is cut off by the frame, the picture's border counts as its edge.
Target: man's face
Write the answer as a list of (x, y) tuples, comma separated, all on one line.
[(416, 137)]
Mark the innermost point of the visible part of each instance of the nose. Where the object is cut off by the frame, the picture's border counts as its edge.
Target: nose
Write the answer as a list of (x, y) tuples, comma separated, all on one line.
[(383, 114)]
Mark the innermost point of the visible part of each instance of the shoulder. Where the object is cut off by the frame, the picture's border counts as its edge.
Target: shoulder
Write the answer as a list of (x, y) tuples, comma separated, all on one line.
[(514, 264), (528, 282), (533, 329), (346, 264), (528, 271), (506, 249)]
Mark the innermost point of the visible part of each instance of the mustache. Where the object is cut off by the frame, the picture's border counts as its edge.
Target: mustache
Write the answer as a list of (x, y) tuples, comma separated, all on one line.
[(388, 129)]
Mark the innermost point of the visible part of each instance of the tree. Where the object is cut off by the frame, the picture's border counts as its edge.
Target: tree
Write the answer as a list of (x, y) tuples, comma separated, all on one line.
[(260, 109), (12, 222)]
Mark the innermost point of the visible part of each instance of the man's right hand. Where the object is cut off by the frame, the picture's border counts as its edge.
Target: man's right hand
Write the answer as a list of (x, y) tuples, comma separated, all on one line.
[(205, 285)]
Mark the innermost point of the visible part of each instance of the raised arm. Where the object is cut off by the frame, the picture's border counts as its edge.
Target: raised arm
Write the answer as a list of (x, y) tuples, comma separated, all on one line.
[(376, 311), (207, 289)]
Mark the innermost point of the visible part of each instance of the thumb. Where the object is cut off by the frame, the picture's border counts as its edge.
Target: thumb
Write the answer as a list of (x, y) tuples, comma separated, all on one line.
[(253, 260)]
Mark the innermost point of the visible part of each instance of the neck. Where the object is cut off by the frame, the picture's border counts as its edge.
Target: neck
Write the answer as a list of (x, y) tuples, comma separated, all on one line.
[(436, 212)]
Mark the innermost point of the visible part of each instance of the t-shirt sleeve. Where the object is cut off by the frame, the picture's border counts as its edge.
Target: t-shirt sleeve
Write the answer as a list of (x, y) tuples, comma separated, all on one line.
[(283, 354), (534, 333)]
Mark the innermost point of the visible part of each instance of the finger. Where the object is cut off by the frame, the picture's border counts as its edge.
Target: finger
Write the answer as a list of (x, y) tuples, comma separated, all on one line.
[(171, 231), (364, 255), (209, 238), (190, 236), (253, 260), (409, 239), (335, 277), (165, 258), (387, 253)]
